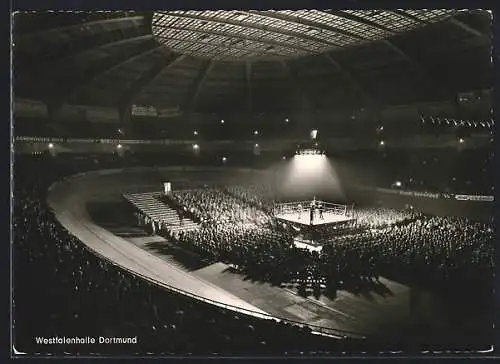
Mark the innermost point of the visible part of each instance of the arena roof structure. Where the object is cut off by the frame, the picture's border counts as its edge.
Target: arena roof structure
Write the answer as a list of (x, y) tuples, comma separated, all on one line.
[(251, 61), (240, 35)]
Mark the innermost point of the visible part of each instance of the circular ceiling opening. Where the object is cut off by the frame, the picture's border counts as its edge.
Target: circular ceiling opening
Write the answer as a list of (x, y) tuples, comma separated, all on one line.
[(249, 35)]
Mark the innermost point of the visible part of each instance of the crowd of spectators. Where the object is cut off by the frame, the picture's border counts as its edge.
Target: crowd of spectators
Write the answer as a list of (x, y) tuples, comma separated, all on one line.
[(61, 289), (401, 244), (249, 248), (217, 206), (256, 194), (378, 217), (426, 250)]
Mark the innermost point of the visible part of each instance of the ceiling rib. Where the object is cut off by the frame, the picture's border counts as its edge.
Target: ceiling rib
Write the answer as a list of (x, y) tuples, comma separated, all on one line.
[(111, 44), (65, 90), (309, 23), (421, 69), (409, 16), (351, 80), (466, 27), (267, 28), (147, 78), (453, 20), (306, 104), (240, 36), (361, 20), (248, 78), (79, 26), (216, 45), (197, 85), (108, 70), (56, 63)]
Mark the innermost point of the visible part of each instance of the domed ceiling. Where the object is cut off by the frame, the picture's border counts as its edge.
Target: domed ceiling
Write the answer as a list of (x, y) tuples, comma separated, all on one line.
[(254, 35), (250, 61)]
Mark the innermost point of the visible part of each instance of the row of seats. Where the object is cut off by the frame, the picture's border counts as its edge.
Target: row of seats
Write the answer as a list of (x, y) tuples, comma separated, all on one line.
[(157, 212)]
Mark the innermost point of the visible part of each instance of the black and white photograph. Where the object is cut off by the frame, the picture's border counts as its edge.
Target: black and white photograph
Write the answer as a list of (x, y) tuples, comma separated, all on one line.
[(252, 183)]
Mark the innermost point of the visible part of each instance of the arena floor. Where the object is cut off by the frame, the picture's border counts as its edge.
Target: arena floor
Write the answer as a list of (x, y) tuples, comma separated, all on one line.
[(387, 308)]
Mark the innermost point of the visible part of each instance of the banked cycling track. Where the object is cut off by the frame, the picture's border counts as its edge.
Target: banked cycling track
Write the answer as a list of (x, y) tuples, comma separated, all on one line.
[(348, 315), (68, 199)]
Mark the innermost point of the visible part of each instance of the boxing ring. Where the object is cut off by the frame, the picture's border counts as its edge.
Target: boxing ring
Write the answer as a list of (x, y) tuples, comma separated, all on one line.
[(322, 212), (309, 218)]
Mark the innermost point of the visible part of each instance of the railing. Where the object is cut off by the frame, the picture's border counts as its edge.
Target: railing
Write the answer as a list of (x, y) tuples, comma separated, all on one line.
[(305, 206)]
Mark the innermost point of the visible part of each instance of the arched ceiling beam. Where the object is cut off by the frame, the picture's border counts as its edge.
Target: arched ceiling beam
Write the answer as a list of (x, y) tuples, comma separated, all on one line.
[(217, 45), (248, 78), (453, 20), (373, 24), (262, 27), (78, 88), (104, 46), (146, 79), (64, 90), (197, 85), (239, 36), (309, 23), (361, 20), (421, 69), (377, 26), (255, 52), (466, 27), (370, 101), (111, 44), (79, 26), (407, 15), (306, 104)]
